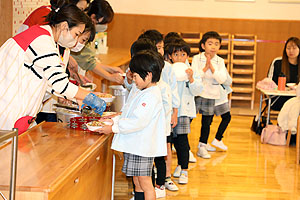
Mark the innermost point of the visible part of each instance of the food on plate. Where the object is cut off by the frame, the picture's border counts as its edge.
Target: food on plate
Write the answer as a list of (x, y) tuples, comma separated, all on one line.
[(104, 95), (108, 114), (96, 123)]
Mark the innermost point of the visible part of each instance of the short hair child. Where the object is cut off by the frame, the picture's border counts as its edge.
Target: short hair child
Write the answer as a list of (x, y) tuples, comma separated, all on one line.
[(187, 90), (169, 38), (213, 100), (147, 61), (168, 77), (144, 112), (156, 37), (142, 44), (206, 36), (178, 45), (153, 35)]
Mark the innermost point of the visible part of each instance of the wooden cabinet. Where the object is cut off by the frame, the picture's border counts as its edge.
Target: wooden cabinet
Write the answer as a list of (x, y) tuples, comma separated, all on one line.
[(243, 68), (58, 163)]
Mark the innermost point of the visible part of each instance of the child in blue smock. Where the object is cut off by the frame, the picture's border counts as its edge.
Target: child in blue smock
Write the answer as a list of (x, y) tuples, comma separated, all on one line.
[(188, 88), (140, 130), (147, 44), (163, 179)]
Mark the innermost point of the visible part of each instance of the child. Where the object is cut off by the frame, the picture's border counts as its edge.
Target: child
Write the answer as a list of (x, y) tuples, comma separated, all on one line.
[(147, 44), (179, 52), (213, 99), (169, 77), (140, 130), (169, 38)]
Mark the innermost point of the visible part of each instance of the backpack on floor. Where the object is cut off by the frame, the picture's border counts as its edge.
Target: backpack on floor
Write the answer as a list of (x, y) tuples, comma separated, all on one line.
[(273, 134)]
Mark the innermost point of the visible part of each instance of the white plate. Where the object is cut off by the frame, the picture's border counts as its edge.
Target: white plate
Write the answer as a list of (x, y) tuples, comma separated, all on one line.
[(93, 128), (92, 86), (179, 71), (107, 100), (291, 85)]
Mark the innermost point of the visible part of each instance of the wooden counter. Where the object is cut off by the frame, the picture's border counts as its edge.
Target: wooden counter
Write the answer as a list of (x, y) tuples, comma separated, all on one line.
[(55, 162), (115, 57)]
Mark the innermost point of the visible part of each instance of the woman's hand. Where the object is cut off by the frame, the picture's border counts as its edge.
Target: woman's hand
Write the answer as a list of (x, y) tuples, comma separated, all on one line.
[(117, 70), (116, 77), (84, 79), (72, 65)]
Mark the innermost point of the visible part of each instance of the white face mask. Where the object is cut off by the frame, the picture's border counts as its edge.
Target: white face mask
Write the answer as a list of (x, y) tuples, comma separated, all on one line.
[(100, 28), (78, 47), (66, 40)]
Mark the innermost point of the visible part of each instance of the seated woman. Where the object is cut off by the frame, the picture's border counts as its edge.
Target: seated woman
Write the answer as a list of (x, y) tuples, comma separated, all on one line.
[(289, 65)]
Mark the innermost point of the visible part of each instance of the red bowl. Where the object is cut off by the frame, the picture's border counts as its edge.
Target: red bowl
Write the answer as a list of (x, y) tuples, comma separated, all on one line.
[(79, 122)]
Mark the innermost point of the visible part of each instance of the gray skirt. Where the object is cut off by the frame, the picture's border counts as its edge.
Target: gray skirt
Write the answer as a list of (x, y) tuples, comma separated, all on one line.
[(207, 107), (135, 165), (183, 126)]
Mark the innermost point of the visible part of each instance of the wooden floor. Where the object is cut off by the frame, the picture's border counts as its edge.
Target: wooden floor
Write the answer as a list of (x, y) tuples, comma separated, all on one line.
[(248, 170)]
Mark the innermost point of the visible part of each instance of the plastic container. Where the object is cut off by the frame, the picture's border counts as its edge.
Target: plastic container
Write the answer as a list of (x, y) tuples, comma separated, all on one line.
[(121, 95), (281, 82)]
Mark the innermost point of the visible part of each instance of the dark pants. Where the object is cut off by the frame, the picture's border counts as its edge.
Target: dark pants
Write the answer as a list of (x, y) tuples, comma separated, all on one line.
[(181, 144), (205, 127), (279, 102), (223, 125), (139, 196), (48, 117), (160, 164)]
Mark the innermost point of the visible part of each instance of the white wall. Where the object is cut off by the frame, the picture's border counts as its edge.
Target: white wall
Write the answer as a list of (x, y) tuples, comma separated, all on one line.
[(259, 9), (21, 10)]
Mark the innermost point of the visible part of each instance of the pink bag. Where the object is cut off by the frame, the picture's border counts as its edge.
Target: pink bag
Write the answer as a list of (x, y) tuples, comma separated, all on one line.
[(273, 134), (266, 84)]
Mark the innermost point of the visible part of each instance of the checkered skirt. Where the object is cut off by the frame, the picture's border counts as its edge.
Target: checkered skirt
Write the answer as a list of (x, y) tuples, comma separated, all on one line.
[(207, 107), (135, 165), (183, 126)]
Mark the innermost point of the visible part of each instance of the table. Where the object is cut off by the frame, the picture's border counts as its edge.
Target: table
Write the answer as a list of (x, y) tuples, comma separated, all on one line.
[(5, 135), (115, 57), (59, 163), (269, 95)]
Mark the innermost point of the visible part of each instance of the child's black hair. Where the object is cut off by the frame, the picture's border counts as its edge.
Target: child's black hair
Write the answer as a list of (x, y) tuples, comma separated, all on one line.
[(153, 35), (171, 36), (101, 8), (208, 35), (147, 61), (177, 45), (75, 2), (142, 44)]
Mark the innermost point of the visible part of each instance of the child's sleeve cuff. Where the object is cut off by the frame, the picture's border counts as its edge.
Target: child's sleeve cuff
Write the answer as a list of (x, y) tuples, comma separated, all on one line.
[(115, 126)]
